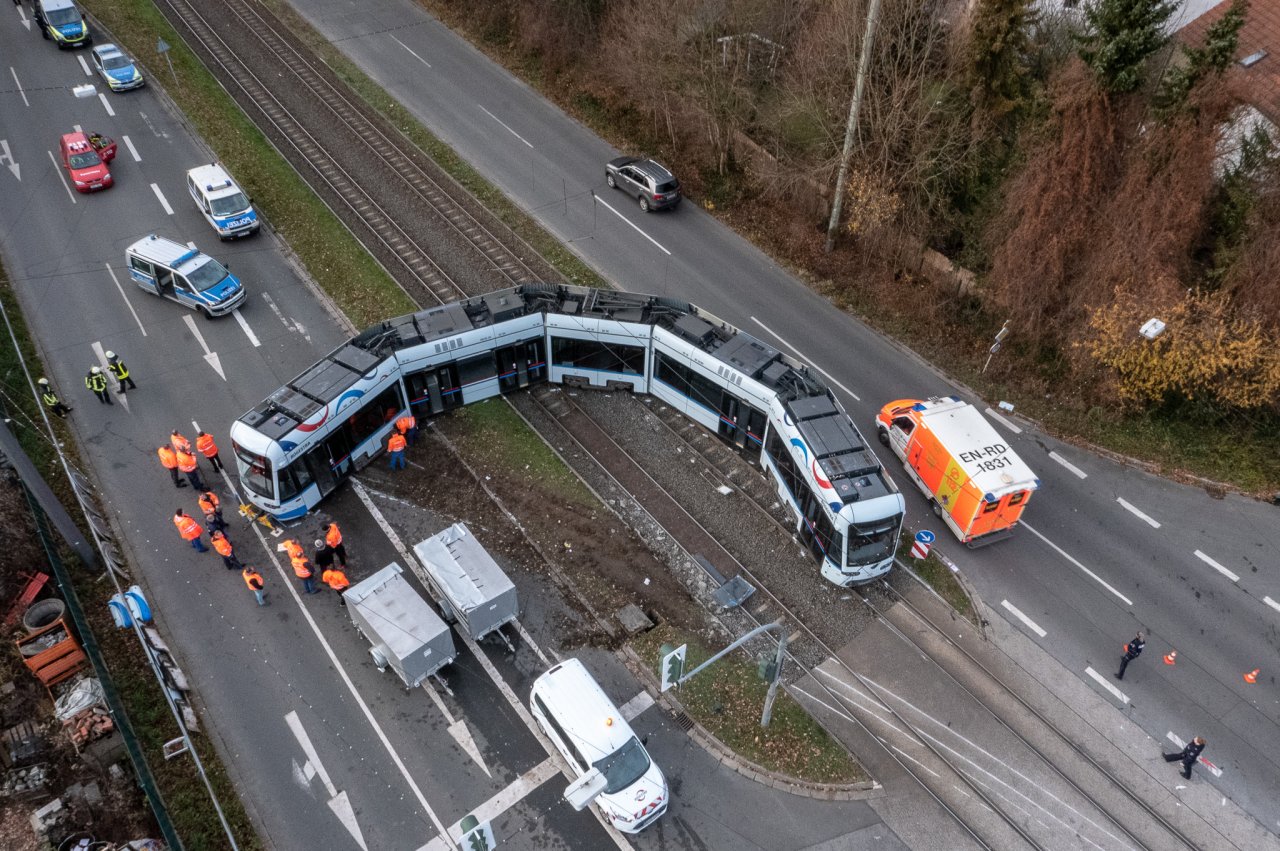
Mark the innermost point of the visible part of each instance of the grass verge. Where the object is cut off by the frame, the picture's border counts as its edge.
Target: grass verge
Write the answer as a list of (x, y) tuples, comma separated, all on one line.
[(727, 699), (940, 577)]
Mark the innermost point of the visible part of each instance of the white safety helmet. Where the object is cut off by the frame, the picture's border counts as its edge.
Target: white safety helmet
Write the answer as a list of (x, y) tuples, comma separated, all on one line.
[(111, 355), (94, 370), (43, 382)]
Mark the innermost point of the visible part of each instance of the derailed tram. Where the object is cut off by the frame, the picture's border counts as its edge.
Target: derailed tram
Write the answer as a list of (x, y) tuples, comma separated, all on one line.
[(301, 442)]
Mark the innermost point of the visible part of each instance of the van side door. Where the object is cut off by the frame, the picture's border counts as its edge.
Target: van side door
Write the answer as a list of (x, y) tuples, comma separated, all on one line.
[(143, 273)]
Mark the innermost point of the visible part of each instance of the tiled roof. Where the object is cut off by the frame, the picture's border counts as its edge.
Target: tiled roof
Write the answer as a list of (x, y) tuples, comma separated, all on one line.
[(1261, 32)]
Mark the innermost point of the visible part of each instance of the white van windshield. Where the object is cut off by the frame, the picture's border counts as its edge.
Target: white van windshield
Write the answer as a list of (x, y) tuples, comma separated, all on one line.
[(207, 275), (230, 204), (624, 766)]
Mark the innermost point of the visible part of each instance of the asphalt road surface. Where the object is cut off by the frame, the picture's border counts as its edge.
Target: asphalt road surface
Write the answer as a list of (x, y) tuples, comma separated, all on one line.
[(1106, 550)]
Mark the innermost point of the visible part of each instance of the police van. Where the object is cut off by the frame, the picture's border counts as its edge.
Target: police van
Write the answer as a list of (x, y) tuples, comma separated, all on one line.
[(183, 274), (222, 202), (61, 22)]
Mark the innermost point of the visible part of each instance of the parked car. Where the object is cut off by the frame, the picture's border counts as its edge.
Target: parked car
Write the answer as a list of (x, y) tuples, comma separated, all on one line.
[(61, 22), (117, 70), (648, 181), (85, 162)]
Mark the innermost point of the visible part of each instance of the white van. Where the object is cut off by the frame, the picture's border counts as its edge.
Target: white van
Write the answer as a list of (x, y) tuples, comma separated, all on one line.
[(183, 274), (589, 731), (223, 203)]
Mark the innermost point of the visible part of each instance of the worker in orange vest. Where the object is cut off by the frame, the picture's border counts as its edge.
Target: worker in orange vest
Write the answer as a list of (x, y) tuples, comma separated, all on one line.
[(223, 545), (303, 570), (180, 443), (212, 508), (333, 537), (337, 580), (396, 447), (188, 464), (408, 426), (254, 580), (206, 447), (190, 530), (291, 548), (169, 459)]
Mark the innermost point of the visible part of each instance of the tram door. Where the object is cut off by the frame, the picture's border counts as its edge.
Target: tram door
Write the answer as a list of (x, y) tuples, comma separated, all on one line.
[(812, 512), (520, 365), (319, 464), (437, 389), (741, 425)]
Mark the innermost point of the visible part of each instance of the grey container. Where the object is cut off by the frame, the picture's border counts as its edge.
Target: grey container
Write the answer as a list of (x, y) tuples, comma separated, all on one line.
[(467, 582), (405, 631)]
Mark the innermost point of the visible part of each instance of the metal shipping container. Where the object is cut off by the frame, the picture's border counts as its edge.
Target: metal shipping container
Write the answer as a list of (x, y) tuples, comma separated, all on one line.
[(467, 582), (404, 630)]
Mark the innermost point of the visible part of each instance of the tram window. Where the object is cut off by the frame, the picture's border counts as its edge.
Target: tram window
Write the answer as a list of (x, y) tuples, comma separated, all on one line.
[(689, 382), (790, 474), (826, 533), (255, 471), (476, 369), (293, 481), (372, 416), (590, 354)]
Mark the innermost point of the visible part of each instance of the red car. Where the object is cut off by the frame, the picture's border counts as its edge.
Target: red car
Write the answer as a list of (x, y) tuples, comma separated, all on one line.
[(86, 158)]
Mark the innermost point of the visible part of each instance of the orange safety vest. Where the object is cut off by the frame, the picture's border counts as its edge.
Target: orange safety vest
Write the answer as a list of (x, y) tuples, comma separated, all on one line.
[(221, 544), (405, 423), (251, 576), (180, 443), (301, 567), (333, 537), (293, 548), (209, 502), (186, 461), (187, 528), (167, 458), (205, 444), (396, 443), (335, 579)]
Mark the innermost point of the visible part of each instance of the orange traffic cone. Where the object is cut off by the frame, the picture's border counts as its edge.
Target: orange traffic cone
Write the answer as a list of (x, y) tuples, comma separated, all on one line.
[(1252, 677), (1171, 658)]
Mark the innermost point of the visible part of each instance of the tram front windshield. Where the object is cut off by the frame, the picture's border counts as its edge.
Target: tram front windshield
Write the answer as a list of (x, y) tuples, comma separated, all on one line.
[(872, 543), (255, 472)]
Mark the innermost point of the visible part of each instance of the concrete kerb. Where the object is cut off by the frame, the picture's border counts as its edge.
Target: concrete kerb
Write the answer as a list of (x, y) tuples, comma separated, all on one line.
[(722, 754)]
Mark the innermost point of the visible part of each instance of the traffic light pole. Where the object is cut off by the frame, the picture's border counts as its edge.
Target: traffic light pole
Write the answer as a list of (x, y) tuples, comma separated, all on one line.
[(777, 665)]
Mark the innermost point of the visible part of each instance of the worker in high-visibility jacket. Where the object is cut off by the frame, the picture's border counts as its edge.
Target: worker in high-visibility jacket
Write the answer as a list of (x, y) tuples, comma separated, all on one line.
[(291, 548), (51, 400), (180, 443), (97, 382), (408, 426), (188, 464), (333, 538), (169, 460), (116, 367), (337, 580), (212, 508), (190, 530), (256, 584), (395, 446), (206, 447), (304, 570), (222, 544)]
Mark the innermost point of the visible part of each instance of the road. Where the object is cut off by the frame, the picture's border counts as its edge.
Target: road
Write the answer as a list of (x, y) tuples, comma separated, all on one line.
[(1106, 549), (325, 751)]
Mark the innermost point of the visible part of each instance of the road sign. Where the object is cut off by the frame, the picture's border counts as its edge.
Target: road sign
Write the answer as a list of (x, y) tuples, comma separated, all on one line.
[(477, 836), (671, 668), (923, 542), (162, 46)]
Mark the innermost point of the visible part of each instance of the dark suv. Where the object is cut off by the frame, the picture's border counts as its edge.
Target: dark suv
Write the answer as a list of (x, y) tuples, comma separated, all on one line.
[(650, 182)]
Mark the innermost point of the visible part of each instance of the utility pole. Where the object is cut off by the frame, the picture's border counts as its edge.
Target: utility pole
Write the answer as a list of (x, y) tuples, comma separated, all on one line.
[(851, 130)]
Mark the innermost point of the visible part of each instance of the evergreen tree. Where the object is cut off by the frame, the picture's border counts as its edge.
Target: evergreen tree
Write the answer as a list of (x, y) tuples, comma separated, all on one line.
[(1220, 43), (1119, 36), (996, 55)]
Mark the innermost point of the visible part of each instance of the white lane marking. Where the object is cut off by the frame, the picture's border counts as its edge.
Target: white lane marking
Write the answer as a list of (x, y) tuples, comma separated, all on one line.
[(309, 751), (605, 204), (22, 16), (1272, 603), (244, 326), (163, 202), (128, 143), (1004, 421), (290, 324), (1017, 613), (900, 752), (504, 124), (1204, 558), (84, 65), (289, 585), (1128, 506), (1102, 681), (636, 705), (806, 359), (457, 729), (116, 281), (512, 794), (1095, 577), (1217, 772), (14, 72), (210, 357), (510, 696), (411, 53), (528, 639), (6, 157), (106, 104), (58, 168), (1072, 467), (860, 699), (102, 362)]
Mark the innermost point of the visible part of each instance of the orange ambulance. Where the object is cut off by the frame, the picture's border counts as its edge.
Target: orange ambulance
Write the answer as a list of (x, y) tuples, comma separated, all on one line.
[(974, 481)]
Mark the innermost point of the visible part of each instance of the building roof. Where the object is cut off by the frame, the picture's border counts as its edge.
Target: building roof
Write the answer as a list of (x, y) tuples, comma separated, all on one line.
[(1259, 48)]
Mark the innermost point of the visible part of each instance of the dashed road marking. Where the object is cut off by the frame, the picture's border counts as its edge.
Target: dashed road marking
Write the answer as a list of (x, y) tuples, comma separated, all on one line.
[(1128, 506), (504, 125), (58, 168), (632, 224), (1017, 613), (14, 72), (1204, 558), (1072, 467), (411, 53), (1179, 744), (128, 143), (163, 201), (129, 304), (1272, 603), (1095, 577), (244, 326), (84, 65), (1004, 421), (1102, 681), (802, 357), (106, 104)]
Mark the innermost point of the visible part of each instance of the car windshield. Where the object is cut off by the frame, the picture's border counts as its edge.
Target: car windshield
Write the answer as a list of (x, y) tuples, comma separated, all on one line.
[(62, 17), (624, 766), (230, 204), (116, 62), (255, 472), (209, 275), (86, 160), (871, 543)]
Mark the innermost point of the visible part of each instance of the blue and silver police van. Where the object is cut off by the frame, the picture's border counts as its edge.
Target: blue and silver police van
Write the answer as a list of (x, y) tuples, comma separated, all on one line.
[(61, 22), (223, 203), (183, 274)]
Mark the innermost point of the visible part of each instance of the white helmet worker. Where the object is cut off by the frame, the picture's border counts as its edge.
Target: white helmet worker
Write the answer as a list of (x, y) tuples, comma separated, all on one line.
[(43, 382), (111, 355), (94, 370)]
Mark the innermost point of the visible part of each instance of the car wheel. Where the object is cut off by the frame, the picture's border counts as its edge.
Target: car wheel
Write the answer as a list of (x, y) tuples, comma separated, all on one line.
[(45, 33), (613, 184), (644, 203), (937, 509), (883, 435), (208, 314)]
